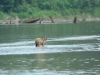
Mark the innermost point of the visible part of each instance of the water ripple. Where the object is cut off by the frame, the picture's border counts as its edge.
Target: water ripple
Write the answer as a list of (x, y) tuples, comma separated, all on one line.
[(76, 38), (28, 47)]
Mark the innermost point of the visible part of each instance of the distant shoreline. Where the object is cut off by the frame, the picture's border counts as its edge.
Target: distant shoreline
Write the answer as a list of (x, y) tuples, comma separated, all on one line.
[(71, 19), (57, 20)]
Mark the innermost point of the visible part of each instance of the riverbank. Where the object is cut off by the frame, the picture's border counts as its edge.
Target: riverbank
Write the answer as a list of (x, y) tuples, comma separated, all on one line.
[(57, 20), (48, 20)]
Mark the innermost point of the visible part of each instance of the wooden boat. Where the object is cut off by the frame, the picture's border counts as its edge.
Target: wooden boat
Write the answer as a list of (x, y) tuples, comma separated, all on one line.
[(31, 20)]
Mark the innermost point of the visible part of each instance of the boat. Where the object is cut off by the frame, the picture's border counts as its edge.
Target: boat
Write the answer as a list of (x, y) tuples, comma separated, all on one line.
[(31, 20)]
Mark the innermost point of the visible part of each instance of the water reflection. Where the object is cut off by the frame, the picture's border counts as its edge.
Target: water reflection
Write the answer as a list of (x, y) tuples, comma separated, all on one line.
[(40, 58)]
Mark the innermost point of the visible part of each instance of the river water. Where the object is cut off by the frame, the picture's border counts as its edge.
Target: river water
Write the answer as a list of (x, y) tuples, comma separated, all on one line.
[(71, 49)]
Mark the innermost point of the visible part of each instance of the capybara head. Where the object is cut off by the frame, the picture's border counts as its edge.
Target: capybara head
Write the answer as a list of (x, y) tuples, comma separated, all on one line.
[(43, 38)]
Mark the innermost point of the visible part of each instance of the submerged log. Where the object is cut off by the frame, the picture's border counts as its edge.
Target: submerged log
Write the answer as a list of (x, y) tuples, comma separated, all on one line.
[(51, 19), (84, 19), (75, 20), (41, 21)]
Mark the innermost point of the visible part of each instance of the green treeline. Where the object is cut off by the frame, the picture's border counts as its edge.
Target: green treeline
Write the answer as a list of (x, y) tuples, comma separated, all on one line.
[(43, 8)]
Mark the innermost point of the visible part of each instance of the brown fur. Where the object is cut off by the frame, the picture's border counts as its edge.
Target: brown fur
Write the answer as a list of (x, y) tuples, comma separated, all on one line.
[(40, 41)]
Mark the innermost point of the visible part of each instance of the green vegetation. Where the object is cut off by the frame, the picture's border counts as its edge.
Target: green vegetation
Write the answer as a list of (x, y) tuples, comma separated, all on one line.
[(44, 8)]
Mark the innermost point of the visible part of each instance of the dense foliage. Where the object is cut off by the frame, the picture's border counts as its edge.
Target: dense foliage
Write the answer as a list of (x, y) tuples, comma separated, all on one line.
[(49, 7)]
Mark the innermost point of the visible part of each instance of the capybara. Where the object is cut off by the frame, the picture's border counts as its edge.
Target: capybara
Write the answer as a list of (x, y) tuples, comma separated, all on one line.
[(40, 41)]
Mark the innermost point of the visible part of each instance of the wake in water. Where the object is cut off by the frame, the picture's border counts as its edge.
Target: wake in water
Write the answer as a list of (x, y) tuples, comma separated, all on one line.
[(28, 47), (77, 38)]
